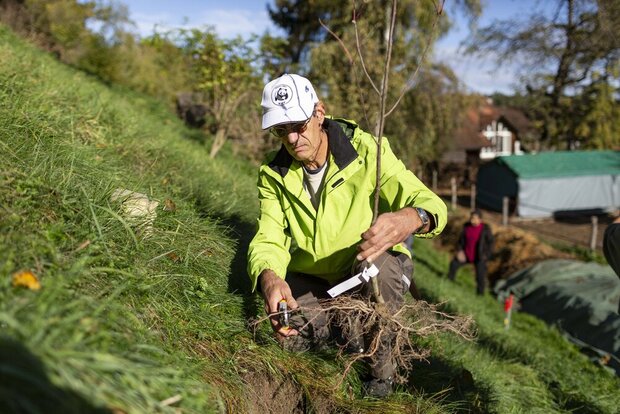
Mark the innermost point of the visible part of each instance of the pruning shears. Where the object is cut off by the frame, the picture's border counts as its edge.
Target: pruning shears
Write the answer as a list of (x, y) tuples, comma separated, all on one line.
[(284, 314)]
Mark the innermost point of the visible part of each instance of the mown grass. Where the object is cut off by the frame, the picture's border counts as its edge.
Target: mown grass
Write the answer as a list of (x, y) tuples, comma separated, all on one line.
[(158, 322)]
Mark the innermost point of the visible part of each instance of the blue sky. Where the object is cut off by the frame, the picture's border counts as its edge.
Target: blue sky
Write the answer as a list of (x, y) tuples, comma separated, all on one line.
[(243, 17)]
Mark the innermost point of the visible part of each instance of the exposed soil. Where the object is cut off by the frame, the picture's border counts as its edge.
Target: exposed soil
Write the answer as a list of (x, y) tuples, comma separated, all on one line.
[(273, 395)]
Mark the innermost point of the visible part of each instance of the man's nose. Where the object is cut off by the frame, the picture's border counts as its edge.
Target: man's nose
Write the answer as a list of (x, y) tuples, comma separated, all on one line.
[(292, 137)]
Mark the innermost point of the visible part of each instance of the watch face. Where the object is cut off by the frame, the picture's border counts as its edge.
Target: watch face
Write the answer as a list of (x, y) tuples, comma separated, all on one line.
[(423, 216)]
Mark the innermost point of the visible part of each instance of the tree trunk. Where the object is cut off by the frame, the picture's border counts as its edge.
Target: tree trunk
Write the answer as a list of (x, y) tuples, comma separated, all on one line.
[(218, 142), (566, 59)]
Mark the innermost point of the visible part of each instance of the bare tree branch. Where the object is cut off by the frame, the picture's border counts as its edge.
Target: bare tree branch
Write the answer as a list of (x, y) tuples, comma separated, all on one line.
[(359, 52), (342, 45), (405, 88)]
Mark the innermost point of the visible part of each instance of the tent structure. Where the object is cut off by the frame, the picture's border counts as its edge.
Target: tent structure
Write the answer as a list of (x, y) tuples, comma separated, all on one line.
[(580, 298), (551, 183)]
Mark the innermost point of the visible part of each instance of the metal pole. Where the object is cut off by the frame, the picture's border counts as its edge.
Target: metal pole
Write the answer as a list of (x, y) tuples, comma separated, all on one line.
[(472, 197), (505, 211), (453, 185), (594, 233), (434, 180)]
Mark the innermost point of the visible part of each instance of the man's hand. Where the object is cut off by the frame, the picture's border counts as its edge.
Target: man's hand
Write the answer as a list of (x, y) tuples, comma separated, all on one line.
[(389, 230), (275, 289)]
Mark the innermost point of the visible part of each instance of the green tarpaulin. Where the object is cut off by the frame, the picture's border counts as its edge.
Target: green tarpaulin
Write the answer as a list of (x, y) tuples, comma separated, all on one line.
[(582, 299), (556, 164)]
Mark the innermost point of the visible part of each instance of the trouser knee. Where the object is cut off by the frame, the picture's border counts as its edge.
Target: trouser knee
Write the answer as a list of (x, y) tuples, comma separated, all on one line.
[(395, 274)]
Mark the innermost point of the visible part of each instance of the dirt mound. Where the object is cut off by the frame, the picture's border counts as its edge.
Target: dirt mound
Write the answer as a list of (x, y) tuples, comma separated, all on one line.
[(267, 393), (273, 396), (514, 248)]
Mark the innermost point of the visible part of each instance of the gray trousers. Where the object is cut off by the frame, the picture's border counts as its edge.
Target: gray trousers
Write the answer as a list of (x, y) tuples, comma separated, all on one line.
[(317, 327)]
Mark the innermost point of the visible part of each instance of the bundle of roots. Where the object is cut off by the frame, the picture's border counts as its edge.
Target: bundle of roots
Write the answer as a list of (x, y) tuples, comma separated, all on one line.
[(381, 328)]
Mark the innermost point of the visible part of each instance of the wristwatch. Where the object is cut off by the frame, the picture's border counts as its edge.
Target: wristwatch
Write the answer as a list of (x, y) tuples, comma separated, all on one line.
[(424, 217)]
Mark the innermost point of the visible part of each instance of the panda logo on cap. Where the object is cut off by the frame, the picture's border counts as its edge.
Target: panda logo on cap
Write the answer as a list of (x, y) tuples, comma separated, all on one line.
[(281, 95)]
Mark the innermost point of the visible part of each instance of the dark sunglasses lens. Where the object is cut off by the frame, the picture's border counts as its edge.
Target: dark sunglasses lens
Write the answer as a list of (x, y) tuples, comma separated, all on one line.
[(283, 130), (278, 132)]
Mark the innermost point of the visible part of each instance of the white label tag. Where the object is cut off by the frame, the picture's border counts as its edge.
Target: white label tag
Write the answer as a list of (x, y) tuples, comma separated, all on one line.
[(350, 283)]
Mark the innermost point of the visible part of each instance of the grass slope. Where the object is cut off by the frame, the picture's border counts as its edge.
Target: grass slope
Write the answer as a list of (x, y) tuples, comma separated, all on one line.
[(157, 323), (529, 368)]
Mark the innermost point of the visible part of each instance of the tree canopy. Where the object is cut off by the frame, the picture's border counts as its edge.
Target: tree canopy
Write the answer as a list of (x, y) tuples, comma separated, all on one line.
[(569, 52), (570, 56), (339, 74)]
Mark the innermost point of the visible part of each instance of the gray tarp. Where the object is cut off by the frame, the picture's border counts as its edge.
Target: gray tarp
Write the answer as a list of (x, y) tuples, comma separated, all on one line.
[(582, 299), (542, 197)]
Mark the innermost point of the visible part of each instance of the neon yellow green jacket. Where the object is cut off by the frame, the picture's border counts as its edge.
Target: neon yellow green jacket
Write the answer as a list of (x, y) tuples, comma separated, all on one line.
[(294, 237)]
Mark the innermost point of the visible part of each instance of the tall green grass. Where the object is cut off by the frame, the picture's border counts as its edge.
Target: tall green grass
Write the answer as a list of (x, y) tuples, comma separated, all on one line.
[(158, 322), (123, 320)]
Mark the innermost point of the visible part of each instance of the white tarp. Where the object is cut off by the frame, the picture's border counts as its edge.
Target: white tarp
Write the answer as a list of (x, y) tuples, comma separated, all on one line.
[(542, 197)]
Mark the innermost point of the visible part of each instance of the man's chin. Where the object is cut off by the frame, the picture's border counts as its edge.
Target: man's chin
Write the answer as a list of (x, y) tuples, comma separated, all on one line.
[(299, 155)]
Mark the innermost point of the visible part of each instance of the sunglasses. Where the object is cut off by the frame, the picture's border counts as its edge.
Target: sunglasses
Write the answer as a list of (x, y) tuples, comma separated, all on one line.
[(281, 131)]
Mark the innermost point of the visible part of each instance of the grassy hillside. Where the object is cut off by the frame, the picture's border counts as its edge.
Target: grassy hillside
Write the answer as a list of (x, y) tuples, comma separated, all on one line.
[(156, 321)]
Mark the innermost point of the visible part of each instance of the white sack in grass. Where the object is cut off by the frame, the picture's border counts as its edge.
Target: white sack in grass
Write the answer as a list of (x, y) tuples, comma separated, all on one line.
[(137, 209)]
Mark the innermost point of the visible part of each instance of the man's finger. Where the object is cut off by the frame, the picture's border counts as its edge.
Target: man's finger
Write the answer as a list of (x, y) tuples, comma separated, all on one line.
[(291, 302), (373, 231), (287, 331), (378, 253), (281, 330)]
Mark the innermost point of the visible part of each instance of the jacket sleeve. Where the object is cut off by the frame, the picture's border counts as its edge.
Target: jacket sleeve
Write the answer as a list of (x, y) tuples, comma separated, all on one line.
[(461, 241), (401, 188), (269, 249), (611, 246), (490, 241)]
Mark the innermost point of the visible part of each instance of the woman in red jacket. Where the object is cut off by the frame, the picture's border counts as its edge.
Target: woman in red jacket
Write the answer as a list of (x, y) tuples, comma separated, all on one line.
[(475, 246)]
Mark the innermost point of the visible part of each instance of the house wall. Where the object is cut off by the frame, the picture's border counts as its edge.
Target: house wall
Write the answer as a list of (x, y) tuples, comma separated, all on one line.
[(502, 139)]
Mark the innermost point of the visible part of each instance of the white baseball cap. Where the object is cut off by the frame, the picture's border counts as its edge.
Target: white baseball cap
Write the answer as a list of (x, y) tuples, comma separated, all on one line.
[(289, 98)]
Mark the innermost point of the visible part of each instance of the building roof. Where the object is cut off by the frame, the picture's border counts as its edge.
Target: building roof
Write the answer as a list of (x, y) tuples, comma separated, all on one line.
[(563, 163), (468, 135), (514, 118)]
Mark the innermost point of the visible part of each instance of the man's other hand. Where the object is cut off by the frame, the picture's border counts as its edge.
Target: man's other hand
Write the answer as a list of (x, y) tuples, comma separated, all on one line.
[(274, 290), (389, 230)]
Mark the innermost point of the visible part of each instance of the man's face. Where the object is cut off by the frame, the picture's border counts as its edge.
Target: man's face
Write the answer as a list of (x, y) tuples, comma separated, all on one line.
[(302, 139)]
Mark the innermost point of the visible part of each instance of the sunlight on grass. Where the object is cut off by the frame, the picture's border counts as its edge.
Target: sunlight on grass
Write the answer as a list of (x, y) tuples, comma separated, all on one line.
[(158, 321)]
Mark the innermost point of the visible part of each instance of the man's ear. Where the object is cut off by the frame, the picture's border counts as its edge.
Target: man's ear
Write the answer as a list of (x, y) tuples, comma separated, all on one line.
[(320, 111)]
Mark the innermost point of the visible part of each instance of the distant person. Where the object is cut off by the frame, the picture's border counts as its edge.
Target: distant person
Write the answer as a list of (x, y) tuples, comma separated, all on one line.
[(611, 246), (316, 209), (475, 246)]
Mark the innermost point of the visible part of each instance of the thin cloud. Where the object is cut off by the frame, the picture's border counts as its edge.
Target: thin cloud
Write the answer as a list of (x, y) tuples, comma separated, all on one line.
[(227, 23), (147, 23), (234, 22)]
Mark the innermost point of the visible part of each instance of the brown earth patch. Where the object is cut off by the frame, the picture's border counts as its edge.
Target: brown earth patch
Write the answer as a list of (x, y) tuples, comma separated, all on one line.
[(270, 394), (267, 394)]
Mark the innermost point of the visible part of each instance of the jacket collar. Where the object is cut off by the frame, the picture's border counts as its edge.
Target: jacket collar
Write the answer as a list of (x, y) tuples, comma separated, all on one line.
[(339, 137)]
